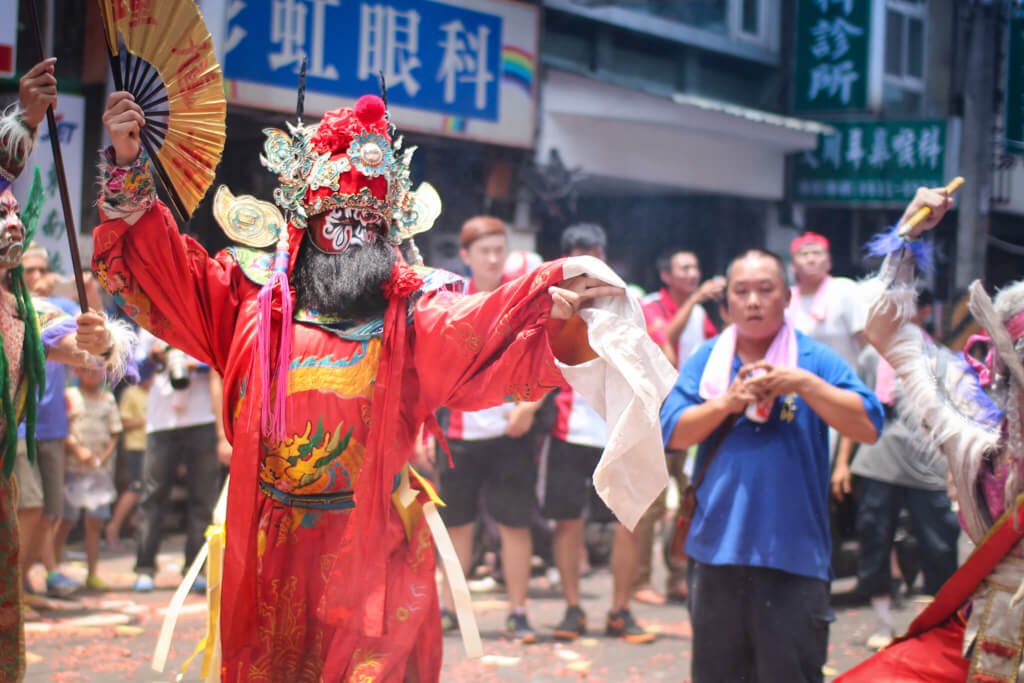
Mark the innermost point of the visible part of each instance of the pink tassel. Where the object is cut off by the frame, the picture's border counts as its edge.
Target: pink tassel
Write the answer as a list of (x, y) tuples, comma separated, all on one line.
[(272, 408)]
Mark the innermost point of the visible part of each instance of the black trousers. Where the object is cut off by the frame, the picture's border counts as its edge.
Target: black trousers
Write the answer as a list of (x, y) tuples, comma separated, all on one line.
[(196, 447), (753, 624), (933, 522)]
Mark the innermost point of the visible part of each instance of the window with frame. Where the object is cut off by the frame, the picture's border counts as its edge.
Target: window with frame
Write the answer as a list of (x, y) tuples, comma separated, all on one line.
[(749, 22), (744, 19), (756, 22), (707, 15), (906, 23)]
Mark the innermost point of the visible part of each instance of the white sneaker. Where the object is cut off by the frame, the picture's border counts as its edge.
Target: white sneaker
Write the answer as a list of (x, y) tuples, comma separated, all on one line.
[(486, 584), (879, 641)]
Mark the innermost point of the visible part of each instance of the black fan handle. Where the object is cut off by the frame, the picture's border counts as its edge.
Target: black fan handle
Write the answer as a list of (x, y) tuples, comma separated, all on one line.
[(62, 180), (300, 103)]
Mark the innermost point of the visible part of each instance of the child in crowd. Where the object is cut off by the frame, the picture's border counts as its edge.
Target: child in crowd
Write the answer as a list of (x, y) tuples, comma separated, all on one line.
[(133, 419), (95, 426)]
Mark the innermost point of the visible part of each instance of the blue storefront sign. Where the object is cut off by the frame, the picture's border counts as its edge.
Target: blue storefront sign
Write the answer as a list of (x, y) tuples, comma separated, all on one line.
[(450, 60)]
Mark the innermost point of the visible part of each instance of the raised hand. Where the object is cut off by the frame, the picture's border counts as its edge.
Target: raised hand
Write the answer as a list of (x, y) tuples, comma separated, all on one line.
[(712, 288), (123, 119), (37, 90), (568, 296), (937, 199)]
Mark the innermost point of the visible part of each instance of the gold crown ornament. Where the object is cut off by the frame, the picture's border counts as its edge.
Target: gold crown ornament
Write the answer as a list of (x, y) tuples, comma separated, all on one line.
[(348, 160)]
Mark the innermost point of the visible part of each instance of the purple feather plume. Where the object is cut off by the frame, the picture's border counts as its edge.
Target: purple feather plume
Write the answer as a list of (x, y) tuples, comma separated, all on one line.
[(885, 243)]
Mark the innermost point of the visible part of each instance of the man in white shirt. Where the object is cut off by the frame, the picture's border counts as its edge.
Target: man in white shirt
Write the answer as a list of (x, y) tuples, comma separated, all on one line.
[(180, 429), (825, 308)]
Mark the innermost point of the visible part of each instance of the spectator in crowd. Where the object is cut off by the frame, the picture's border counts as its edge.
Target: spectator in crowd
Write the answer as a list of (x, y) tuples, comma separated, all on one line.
[(573, 451), (41, 484), (675, 315), (827, 309), (899, 470), (180, 429), (758, 399), (132, 408), (678, 323), (492, 453), (95, 427)]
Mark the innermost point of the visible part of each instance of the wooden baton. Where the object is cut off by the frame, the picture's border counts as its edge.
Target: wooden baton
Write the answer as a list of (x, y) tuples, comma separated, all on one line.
[(925, 211)]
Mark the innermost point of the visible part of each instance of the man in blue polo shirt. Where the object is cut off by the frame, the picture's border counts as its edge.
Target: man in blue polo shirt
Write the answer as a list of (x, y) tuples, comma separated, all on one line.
[(759, 542)]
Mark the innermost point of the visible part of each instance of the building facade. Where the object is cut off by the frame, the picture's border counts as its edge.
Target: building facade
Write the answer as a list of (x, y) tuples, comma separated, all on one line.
[(664, 123), (713, 125)]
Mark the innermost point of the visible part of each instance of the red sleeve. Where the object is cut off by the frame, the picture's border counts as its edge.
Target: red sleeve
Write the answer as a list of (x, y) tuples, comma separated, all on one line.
[(655, 322), (476, 351), (169, 284)]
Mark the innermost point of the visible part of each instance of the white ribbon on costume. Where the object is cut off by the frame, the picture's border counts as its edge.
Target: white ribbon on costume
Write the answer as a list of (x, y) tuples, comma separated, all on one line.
[(456, 581), (452, 567), (163, 643)]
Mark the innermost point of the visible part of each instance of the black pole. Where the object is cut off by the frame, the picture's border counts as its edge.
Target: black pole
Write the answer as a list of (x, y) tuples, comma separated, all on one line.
[(62, 181), (300, 104)]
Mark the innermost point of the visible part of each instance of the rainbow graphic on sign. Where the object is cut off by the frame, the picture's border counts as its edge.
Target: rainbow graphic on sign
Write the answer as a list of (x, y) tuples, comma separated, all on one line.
[(454, 124), (517, 66)]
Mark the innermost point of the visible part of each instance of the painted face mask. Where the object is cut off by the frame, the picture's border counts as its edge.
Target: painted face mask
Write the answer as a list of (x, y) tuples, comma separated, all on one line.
[(12, 232), (347, 227)]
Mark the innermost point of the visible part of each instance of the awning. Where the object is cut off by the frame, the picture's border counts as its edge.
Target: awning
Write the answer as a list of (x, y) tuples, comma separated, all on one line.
[(684, 142)]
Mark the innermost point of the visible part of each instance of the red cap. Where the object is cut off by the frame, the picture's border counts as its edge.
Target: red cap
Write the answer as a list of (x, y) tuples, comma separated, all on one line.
[(805, 239)]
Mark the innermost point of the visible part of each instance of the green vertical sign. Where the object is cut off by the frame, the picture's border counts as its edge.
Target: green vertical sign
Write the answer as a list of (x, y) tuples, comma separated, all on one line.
[(1015, 85), (831, 62), (872, 161)]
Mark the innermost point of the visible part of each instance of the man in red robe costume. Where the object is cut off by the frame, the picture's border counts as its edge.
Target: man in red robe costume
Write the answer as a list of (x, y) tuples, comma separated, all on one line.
[(323, 578)]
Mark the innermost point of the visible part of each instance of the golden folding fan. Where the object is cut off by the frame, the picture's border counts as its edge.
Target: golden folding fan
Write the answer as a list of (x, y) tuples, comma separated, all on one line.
[(162, 53)]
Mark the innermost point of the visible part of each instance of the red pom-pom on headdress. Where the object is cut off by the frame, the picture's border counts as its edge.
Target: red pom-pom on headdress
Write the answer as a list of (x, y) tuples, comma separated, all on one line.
[(370, 109), (338, 126)]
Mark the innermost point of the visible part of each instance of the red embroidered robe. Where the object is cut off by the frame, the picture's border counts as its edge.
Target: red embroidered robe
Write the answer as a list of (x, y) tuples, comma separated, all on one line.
[(467, 352)]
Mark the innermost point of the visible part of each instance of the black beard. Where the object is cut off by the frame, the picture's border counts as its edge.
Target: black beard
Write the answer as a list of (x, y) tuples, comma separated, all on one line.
[(348, 284)]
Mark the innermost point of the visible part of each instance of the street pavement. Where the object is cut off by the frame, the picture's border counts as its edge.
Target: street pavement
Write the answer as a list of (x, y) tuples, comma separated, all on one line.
[(110, 636)]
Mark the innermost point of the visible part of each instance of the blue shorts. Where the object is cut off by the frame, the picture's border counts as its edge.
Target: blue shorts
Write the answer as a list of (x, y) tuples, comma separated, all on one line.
[(72, 514), (87, 485)]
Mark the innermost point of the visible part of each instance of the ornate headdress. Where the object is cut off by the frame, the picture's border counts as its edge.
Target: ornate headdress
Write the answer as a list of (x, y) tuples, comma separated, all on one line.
[(1003, 369), (349, 160)]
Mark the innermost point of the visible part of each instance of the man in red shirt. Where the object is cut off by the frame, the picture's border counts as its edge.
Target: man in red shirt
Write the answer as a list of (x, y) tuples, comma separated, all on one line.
[(572, 453), (678, 323), (676, 320)]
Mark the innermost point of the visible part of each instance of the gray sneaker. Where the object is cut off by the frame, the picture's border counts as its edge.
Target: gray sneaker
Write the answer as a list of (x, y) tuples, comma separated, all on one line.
[(518, 627), (60, 586)]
